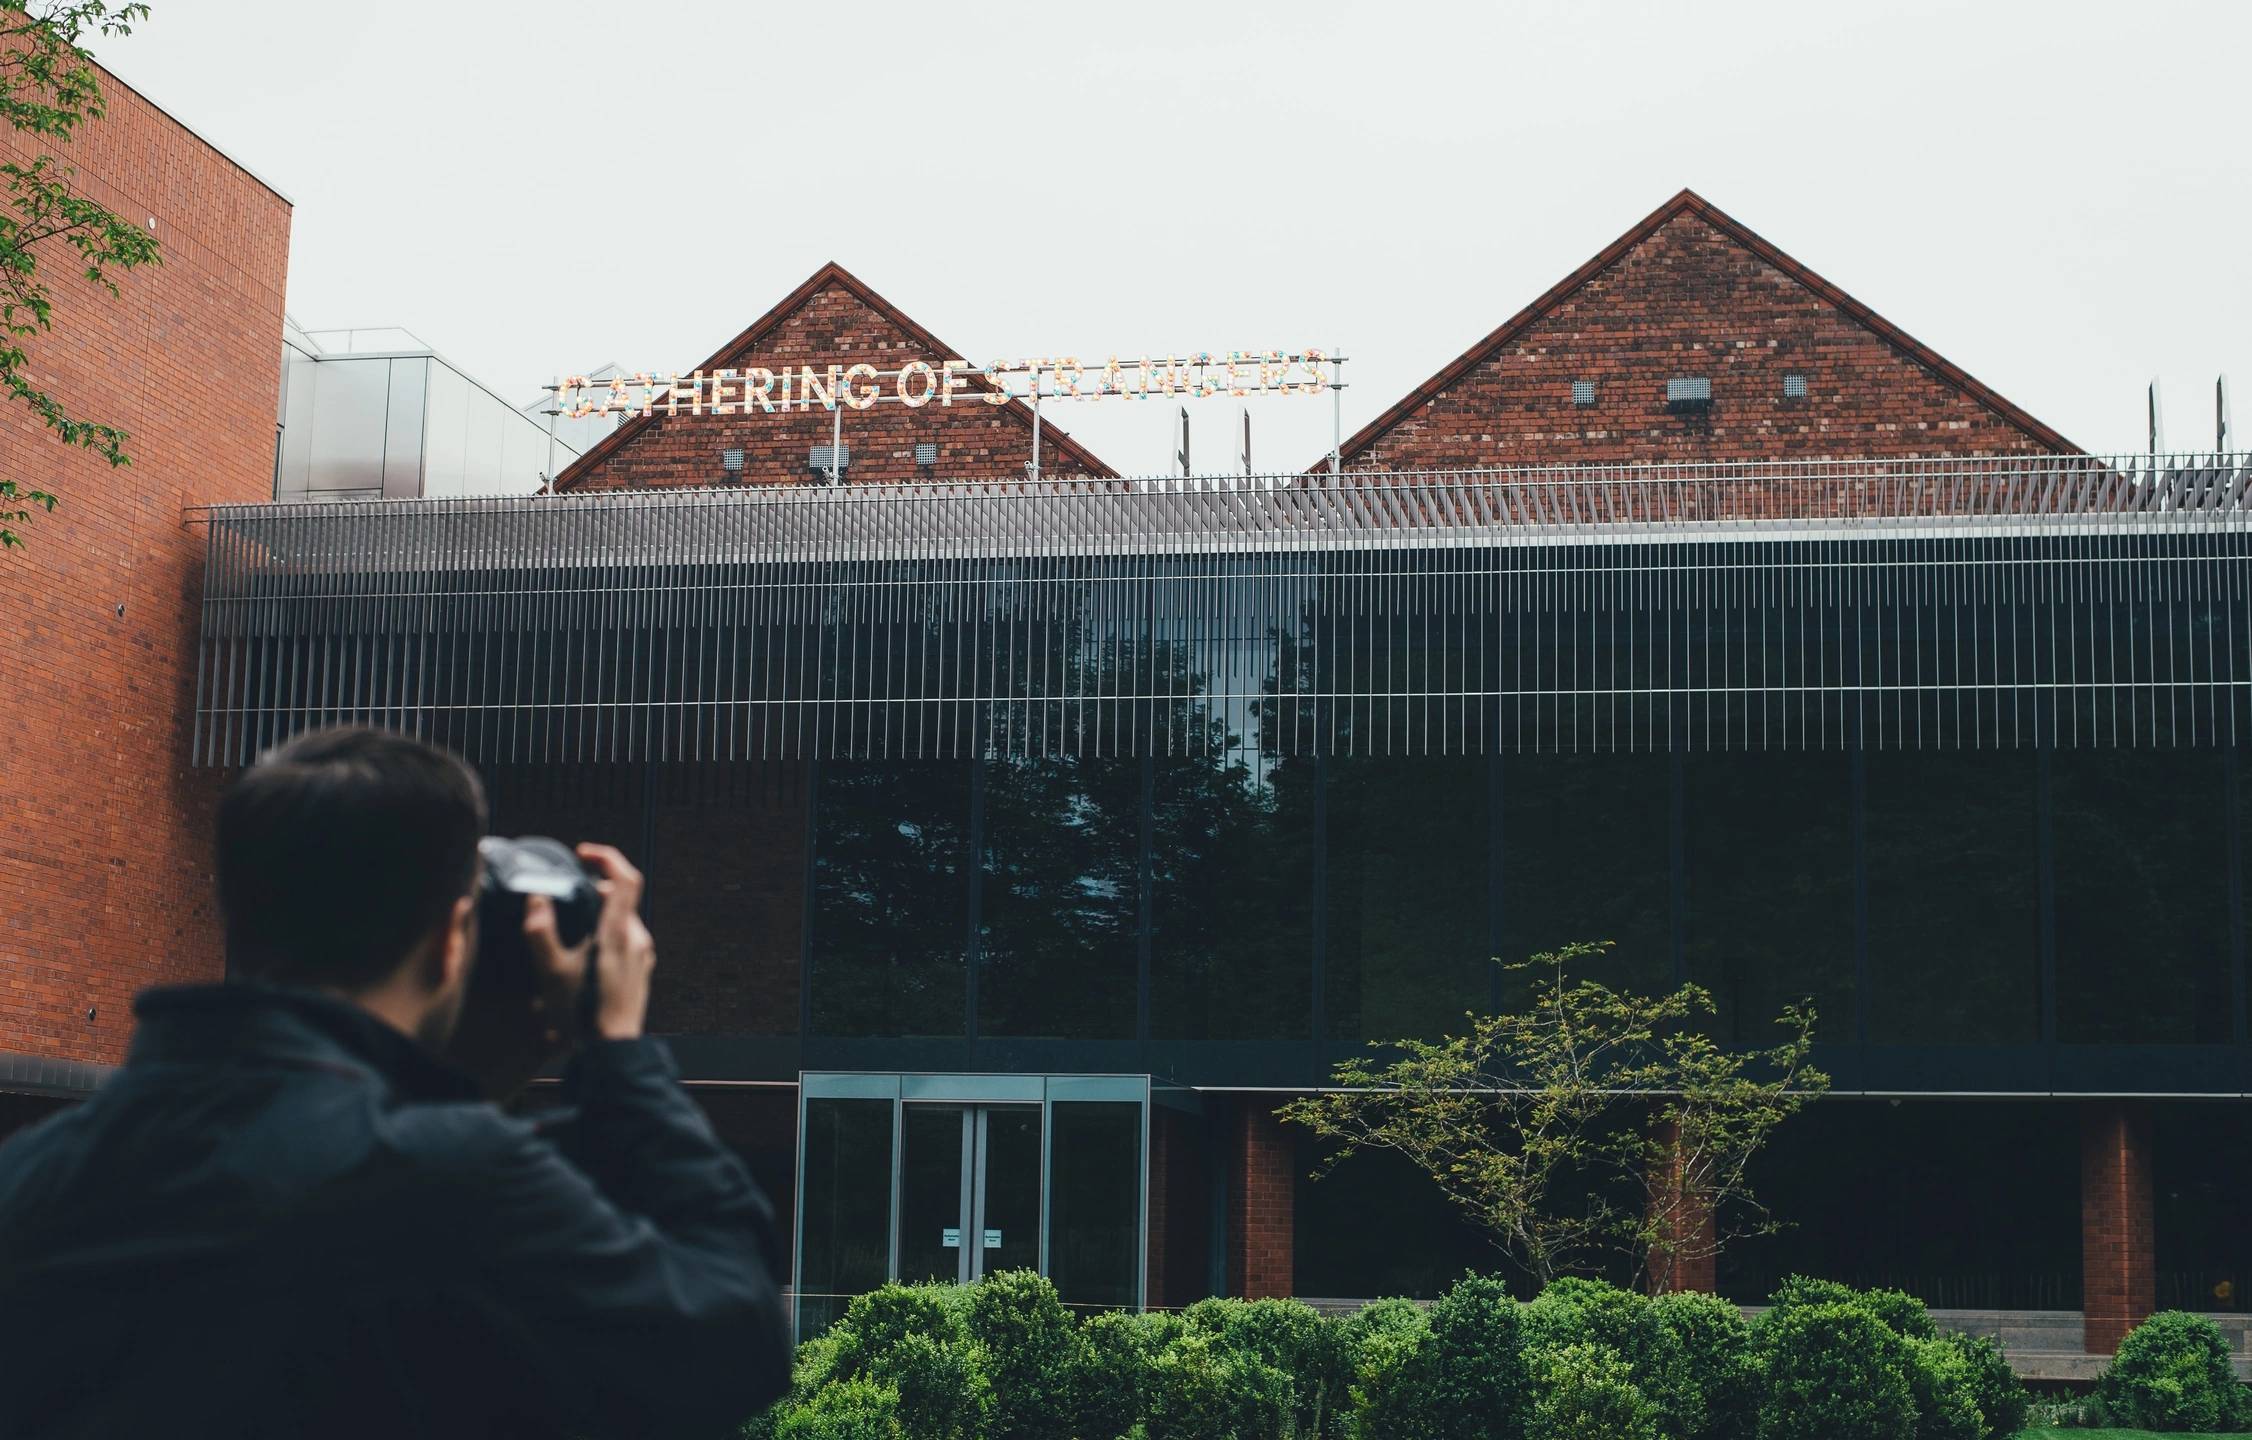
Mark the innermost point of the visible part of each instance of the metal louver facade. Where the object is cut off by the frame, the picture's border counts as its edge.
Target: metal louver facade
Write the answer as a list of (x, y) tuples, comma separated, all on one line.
[(2057, 601)]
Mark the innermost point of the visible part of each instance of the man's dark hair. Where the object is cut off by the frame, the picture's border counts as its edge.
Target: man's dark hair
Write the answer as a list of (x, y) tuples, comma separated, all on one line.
[(339, 851)]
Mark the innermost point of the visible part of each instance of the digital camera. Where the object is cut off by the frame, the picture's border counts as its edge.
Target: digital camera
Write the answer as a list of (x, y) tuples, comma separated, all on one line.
[(515, 870)]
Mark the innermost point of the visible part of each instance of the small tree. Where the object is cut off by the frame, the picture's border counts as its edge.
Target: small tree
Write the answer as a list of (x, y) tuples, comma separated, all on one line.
[(1529, 1120), (48, 87)]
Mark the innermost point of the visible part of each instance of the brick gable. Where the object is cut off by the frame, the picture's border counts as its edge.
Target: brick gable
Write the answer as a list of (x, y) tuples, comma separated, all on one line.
[(832, 319), (1690, 292)]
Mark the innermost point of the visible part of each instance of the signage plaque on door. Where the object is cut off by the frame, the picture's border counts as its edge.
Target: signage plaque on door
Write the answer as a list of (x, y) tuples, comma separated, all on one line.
[(950, 1238), (992, 1239)]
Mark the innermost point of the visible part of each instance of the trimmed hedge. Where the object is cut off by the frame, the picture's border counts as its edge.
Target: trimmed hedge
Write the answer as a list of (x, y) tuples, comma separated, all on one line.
[(2172, 1373), (1005, 1360)]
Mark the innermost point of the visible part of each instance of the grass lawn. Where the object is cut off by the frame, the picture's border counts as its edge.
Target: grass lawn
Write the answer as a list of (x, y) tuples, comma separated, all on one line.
[(2117, 1435)]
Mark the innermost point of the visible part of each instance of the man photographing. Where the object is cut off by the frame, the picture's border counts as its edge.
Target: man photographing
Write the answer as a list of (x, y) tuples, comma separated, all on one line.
[(295, 1209)]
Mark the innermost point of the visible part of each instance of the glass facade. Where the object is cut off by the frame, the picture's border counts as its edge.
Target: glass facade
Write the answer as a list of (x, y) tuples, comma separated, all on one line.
[(1768, 880), (1407, 942), (2142, 900), (1952, 866), (374, 414), (890, 908), (1970, 1205), (1231, 898), (1059, 898), (2007, 922)]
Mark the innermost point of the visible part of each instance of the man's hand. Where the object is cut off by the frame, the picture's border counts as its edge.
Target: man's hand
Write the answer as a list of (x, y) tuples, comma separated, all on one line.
[(620, 950)]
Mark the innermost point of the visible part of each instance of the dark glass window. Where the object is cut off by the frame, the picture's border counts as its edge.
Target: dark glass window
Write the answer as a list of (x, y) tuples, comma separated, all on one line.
[(1094, 1208), (1970, 1205), (1407, 944), (1954, 894), (1060, 898), (726, 899), (2141, 896), (569, 803), (2201, 1170), (1586, 854), (890, 899), (1377, 1226), (1768, 860), (846, 1236), (1232, 898)]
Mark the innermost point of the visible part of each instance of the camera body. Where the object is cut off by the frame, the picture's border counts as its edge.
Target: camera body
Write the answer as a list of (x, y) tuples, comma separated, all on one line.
[(514, 870)]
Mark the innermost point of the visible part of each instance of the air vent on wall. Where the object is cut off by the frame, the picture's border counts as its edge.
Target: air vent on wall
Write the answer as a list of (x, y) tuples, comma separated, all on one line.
[(1794, 387), (730, 466), (1583, 392), (818, 459), (1689, 392), (926, 455)]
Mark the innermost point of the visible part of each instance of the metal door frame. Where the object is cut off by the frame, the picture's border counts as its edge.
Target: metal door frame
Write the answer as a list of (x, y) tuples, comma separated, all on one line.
[(976, 1093)]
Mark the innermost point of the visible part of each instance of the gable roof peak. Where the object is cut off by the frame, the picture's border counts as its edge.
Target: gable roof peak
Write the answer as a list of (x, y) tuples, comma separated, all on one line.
[(829, 273), (1688, 201)]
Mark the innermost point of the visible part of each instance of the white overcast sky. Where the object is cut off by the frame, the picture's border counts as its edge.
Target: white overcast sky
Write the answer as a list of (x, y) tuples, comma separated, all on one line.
[(2057, 196)]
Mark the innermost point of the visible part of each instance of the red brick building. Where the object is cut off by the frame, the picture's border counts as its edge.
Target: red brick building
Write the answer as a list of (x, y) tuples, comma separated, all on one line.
[(833, 319), (1789, 755), (103, 821), (1795, 369)]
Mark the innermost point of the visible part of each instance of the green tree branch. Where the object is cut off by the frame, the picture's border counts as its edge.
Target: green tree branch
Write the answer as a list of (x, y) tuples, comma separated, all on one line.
[(48, 88)]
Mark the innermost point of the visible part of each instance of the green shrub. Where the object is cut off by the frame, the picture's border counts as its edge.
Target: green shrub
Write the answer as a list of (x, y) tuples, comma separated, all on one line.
[(880, 1319), (1940, 1380), (1586, 1391), (857, 1409), (1384, 1317), (1035, 1353), (2172, 1373), (1121, 1349), (1904, 1313), (1475, 1383), (1201, 1388), (1832, 1372), (1290, 1336), (1574, 1311), (2002, 1399), (943, 1391), (1716, 1351), (1390, 1393)]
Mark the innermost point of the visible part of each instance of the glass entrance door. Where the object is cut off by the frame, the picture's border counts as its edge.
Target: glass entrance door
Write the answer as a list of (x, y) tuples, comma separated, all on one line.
[(969, 1191), (920, 1177)]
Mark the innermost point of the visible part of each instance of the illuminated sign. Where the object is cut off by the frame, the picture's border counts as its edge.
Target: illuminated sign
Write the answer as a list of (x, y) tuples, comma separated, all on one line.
[(762, 390)]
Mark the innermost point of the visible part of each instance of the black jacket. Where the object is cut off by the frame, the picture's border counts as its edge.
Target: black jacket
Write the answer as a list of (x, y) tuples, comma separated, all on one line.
[(282, 1217)]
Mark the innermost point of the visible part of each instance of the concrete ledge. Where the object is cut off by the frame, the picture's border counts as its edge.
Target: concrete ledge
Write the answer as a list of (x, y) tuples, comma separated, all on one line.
[(2043, 1345), (40, 1075)]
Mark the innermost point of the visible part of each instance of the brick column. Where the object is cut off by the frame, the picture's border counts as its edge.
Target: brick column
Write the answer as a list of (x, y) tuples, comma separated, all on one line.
[(2118, 1250), (1686, 1223), (1262, 1190)]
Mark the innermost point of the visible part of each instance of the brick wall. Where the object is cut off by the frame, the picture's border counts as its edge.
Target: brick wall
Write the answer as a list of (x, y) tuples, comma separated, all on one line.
[(2118, 1243), (832, 320), (1689, 298), (1262, 1198), (104, 830), (723, 850)]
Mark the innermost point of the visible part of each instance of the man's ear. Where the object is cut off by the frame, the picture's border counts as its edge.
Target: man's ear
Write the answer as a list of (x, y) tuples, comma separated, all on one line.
[(458, 947)]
